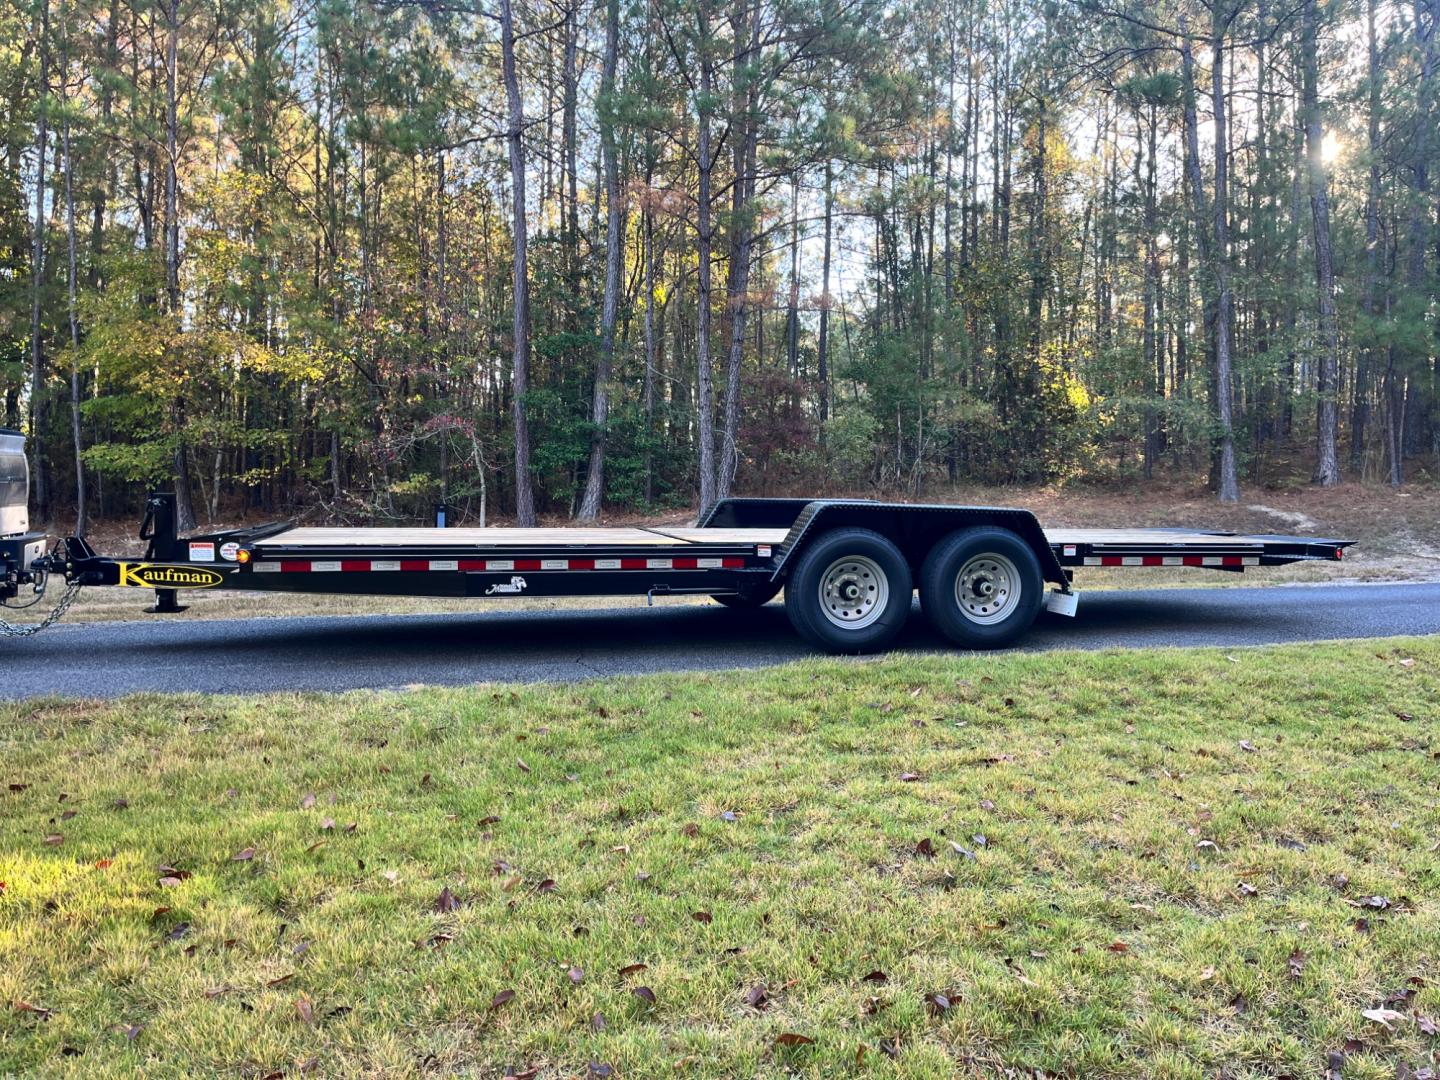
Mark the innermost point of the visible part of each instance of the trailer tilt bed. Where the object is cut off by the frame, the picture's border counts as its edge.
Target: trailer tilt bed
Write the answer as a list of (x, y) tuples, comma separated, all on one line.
[(849, 568)]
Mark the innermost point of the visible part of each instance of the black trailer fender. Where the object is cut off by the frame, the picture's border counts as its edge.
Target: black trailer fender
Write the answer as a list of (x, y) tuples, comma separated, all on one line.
[(914, 529)]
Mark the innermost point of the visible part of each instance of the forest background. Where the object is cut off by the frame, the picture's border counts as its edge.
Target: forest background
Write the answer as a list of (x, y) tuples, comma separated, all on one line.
[(562, 258)]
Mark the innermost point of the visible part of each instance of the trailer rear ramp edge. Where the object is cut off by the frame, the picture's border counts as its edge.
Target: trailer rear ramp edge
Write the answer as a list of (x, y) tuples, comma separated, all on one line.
[(849, 568)]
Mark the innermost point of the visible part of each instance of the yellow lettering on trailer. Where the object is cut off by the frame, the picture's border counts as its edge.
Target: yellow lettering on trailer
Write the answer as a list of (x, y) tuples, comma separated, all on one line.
[(159, 576)]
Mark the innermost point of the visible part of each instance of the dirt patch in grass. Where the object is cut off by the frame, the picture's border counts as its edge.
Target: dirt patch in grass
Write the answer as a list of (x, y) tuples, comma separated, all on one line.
[(1161, 864)]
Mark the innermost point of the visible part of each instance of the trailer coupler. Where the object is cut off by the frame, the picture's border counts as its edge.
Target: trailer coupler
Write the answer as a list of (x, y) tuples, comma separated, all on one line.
[(37, 575)]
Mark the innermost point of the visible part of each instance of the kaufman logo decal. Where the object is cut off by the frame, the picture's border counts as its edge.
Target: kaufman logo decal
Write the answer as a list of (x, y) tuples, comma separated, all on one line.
[(154, 576), (514, 585)]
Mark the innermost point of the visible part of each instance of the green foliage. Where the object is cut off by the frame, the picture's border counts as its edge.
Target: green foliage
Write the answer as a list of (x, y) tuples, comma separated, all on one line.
[(1017, 288)]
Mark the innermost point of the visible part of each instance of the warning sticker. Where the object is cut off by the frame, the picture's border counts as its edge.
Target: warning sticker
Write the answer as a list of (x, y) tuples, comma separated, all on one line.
[(202, 552)]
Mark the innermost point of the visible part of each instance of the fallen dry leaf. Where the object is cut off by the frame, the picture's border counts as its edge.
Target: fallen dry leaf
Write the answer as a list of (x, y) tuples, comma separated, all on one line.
[(305, 1009), (790, 1038), (644, 993), (502, 998), (1383, 1017), (243, 855), (962, 850), (1378, 903), (446, 901)]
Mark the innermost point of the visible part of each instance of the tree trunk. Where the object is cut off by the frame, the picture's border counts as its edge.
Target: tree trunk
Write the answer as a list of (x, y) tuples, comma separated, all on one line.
[(1213, 238), (595, 479), (792, 302), (1418, 228), (81, 516), (569, 117), (1229, 480), (1366, 363), (1146, 149), (184, 501), (40, 472), (705, 166), (742, 232), (1327, 465), (520, 369), (648, 393), (823, 344)]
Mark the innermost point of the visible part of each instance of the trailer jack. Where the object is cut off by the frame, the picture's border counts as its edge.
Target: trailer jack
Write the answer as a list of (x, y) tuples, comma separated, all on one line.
[(165, 603)]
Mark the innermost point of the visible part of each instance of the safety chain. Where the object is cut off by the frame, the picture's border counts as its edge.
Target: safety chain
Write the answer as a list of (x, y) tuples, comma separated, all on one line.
[(72, 590)]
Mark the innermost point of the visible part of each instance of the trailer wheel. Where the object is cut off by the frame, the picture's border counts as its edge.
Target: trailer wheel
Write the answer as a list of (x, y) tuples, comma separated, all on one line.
[(850, 592), (749, 599), (982, 587)]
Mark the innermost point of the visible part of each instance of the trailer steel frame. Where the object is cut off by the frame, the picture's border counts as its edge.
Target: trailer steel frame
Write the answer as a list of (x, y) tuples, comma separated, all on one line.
[(742, 551)]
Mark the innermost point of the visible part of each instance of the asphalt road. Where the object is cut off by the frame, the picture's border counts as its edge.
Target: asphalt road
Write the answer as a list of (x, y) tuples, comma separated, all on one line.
[(373, 652)]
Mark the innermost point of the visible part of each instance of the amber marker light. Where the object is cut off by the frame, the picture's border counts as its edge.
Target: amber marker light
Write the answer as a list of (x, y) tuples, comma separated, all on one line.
[(242, 556)]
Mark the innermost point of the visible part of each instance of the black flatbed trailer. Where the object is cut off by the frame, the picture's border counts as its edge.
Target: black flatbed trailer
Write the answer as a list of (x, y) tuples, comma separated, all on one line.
[(849, 568)]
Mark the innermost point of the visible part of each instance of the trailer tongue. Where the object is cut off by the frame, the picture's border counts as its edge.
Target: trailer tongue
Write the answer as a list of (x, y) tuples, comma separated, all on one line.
[(849, 569)]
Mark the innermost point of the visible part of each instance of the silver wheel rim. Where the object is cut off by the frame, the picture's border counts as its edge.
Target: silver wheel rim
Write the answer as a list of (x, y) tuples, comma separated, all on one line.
[(988, 589), (853, 592)]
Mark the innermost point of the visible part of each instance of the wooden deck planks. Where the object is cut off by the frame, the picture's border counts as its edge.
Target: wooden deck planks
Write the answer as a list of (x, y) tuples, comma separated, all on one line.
[(683, 537), (518, 538), (1144, 538)]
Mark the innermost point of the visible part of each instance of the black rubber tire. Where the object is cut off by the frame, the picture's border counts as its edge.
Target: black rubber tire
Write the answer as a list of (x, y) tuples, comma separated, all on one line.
[(750, 599), (938, 579), (802, 591)]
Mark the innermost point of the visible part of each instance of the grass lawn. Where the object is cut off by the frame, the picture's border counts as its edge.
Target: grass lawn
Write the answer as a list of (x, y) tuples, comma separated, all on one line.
[(1159, 864)]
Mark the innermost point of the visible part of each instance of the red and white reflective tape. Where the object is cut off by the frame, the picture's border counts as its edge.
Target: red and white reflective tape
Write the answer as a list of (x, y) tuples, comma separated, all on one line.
[(367, 566), (1172, 560)]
